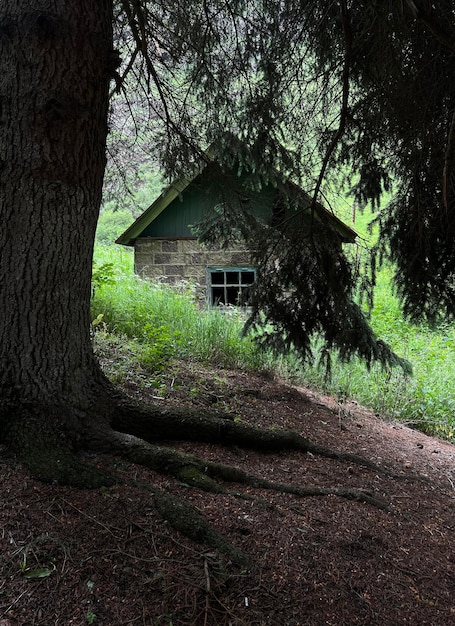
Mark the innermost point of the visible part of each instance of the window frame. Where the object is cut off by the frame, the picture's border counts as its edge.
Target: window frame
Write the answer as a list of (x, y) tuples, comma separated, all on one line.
[(226, 285)]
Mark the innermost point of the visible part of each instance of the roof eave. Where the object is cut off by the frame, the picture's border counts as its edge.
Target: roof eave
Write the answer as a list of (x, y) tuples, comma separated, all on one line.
[(128, 238), (130, 235)]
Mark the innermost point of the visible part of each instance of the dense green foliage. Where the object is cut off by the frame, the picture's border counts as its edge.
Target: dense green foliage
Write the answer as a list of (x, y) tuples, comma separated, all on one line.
[(122, 205), (424, 400), (112, 222), (149, 324)]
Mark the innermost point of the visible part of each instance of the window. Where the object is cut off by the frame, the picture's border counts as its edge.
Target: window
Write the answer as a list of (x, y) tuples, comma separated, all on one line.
[(230, 285)]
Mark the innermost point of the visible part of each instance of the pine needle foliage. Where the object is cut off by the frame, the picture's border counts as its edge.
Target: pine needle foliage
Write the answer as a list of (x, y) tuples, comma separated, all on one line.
[(400, 125), (312, 91)]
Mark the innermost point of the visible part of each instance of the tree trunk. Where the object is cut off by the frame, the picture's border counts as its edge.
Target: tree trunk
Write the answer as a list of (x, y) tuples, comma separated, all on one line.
[(56, 60), (55, 67)]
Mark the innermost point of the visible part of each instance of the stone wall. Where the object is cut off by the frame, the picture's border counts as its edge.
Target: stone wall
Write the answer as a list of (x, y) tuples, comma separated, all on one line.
[(178, 260)]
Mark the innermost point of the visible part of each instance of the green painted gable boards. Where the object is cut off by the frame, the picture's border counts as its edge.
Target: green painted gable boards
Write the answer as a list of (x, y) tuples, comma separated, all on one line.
[(186, 201)]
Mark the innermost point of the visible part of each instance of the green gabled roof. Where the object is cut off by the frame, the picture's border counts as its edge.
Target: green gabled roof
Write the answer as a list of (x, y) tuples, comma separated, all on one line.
[(172, 192), (347, 233), (177, 188)]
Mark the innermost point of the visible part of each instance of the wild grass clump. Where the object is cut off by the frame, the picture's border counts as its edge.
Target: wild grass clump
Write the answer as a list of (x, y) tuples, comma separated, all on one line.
[(167, 322), (426, 400)]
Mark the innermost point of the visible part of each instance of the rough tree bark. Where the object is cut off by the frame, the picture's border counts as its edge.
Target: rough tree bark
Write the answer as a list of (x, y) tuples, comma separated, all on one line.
[(56, 62), (55, 68)]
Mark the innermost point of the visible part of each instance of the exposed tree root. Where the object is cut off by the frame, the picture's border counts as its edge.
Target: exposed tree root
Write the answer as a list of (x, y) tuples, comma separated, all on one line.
[(190, 523), (207, 476), (51, 455), (156, 424), (204, 474)]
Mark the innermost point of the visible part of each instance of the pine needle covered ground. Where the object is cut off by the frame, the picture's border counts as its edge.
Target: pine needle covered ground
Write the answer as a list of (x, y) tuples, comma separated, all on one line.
[(105, 557)]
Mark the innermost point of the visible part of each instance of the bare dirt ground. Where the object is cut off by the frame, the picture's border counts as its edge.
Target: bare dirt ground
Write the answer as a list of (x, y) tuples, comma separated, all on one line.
[(105, 557)]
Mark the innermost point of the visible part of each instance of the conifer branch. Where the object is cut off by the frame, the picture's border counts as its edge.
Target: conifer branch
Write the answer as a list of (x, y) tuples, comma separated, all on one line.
[(347, 31)]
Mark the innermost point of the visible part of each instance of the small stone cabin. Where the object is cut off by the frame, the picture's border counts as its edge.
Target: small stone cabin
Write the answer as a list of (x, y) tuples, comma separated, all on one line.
[(166, 248)]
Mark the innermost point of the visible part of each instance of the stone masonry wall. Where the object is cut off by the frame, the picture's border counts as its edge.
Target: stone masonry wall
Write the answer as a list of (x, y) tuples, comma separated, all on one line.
[(177, 260)]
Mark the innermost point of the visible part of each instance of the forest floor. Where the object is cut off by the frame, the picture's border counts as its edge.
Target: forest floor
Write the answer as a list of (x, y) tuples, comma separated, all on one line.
[(105, 557)]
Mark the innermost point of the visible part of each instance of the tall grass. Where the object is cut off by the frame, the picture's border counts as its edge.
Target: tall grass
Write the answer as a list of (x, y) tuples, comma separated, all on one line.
[(164, 322), (427, 399), (168, 321)]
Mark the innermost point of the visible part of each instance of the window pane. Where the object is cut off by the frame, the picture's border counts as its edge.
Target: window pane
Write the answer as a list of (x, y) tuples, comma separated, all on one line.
[(232, 278), (218, 295), (247, 278), (232, 294), (217, 278)]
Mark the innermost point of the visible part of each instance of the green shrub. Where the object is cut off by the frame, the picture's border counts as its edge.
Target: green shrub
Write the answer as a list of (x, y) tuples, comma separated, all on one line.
[(103, 274), (112, 223)]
